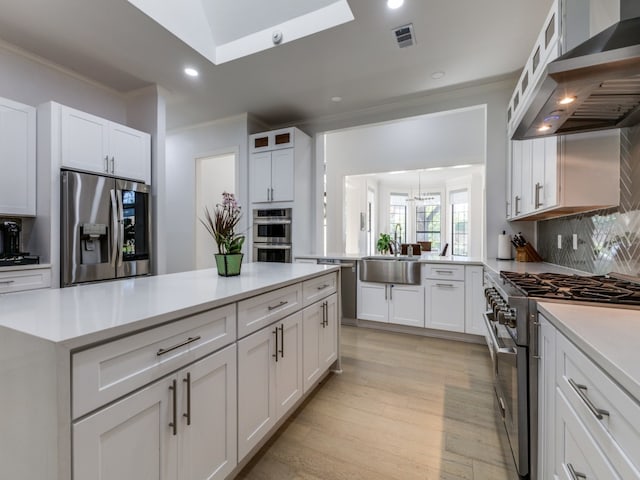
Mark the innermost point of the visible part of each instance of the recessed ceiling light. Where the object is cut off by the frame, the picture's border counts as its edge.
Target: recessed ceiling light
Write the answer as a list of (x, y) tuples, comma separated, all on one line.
[(393, 4), (567, 100), (544, 128), (336, 99), (192, 72), (437, 75)]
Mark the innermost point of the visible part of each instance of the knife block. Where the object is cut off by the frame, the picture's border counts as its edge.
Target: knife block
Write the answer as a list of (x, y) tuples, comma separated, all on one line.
[(527, 254)]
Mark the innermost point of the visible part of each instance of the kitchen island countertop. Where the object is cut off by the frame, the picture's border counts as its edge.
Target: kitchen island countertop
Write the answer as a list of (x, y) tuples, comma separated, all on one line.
[(85, 314)]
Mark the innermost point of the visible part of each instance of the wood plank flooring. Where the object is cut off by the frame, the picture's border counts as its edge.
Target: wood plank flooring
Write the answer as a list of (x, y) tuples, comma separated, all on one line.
[(405, 407)]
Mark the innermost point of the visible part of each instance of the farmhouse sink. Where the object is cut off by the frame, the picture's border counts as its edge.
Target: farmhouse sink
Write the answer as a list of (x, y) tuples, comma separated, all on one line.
[(386, 269)]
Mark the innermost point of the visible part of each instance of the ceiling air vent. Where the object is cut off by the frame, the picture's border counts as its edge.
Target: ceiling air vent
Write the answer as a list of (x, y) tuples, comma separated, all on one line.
[(404, 35)]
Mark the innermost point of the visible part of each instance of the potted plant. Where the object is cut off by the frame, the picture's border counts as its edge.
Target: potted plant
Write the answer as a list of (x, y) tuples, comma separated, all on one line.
[(384, 243), (221, 226)]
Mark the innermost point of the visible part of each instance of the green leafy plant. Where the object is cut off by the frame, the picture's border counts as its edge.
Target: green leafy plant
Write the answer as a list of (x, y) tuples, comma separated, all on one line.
[(383, 245), (222, 224)]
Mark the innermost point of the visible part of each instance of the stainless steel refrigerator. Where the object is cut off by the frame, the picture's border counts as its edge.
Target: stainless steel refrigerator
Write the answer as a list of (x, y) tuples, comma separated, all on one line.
[(105, 228)]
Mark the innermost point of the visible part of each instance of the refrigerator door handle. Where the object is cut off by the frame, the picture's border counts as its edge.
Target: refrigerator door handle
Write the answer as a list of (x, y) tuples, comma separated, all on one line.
[(120, 226), (115, 227)]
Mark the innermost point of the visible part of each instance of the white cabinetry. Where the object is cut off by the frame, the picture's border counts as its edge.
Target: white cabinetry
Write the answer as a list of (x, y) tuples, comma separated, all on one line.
[(588, 425), (97, 145), (17, 280), (272, 176), (274, 158), (269, 379), (444, 305), (320, 347), (180, 427), (17, 158), (391, 303), (568, 174)]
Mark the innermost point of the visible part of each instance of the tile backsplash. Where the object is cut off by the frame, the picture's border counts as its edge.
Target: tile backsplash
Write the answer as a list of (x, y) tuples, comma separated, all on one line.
[(608, 240)]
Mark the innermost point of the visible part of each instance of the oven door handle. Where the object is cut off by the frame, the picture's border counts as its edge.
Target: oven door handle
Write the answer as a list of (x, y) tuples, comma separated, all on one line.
[(272, 222), (268, 246), (496, 349)]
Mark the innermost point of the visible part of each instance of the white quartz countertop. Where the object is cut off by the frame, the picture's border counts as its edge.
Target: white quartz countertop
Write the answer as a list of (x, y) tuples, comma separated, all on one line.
[(530, 267), (78, 316), (609, 336), (428, 257)]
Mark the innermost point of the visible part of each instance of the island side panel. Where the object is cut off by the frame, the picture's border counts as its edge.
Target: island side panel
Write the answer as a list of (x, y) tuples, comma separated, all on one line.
[(29, 402)]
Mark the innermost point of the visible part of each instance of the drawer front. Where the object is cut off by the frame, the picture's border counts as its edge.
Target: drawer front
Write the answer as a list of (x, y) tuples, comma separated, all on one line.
[(257, 312), (106, 372), (443, 272), (18, 281), (588, 389), (317, 288), (577, 454)]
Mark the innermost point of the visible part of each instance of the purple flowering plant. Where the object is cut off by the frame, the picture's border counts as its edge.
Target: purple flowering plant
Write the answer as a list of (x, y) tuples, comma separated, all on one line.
[(222, 224)]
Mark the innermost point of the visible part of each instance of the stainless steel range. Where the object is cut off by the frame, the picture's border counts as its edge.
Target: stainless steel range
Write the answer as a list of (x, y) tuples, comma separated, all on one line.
[(512, 336)]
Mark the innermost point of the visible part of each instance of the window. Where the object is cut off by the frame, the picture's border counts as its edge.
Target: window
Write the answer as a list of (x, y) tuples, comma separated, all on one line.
[(398, 215), (429, 221), (459, 222)]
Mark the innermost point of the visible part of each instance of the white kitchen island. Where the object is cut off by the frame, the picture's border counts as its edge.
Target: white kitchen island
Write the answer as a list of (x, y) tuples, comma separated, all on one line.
[(160, 377)]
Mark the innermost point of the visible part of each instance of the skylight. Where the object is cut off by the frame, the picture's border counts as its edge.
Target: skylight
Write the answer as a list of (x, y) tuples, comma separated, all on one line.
[(224, 30)]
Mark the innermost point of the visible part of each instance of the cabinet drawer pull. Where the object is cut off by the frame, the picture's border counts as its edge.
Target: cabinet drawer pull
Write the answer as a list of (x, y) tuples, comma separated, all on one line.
[(174, 394), (106, 163), (7, 282), (448, 285), (275, 332), (444, 271), (581, 390), (189, 340), (281, 340), (574, 475), (188, 382), (322, 287), (273, 307)]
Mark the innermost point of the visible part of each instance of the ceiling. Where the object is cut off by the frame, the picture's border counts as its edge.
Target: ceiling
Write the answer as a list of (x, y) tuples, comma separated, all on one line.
[(114, 43)]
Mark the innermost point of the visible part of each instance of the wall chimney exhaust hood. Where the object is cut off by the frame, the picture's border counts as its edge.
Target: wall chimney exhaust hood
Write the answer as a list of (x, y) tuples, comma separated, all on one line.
[(599, 81)]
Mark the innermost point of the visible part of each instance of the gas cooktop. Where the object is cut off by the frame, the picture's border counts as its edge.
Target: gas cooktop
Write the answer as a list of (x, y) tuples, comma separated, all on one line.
[(597, 288)]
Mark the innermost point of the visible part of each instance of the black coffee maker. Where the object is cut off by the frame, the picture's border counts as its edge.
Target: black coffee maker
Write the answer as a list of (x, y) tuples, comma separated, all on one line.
[(9, 238)]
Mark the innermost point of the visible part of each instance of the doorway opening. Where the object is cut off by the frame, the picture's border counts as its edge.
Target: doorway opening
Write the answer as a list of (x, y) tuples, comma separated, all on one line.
[(214, 175)]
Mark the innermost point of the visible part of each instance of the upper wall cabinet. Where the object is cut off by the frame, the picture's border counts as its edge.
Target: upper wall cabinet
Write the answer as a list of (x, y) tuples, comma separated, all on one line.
[(97, 145), (17, 158), (276, 161), (561, 175)]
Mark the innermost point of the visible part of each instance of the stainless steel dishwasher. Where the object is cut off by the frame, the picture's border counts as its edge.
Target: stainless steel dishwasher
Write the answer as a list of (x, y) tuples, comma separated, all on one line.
[(349, 274)]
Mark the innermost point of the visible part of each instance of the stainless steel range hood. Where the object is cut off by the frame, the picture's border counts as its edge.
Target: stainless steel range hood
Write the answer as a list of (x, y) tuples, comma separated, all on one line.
[(601, 76)]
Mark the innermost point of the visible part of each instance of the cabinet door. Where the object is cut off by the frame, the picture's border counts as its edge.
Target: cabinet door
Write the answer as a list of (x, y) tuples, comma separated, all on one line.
[(17, 158), (282, 178), (516, 178), (550, 192), (546, 397), (372, 302), (129, 152), (256, 388), (312, 325), (406, 305), (84, 141), (129, 439), (289, 365), (260, 177), (537, 173), (329, 334), (474, 300), (527, 184), (208, 416), (444, 305)]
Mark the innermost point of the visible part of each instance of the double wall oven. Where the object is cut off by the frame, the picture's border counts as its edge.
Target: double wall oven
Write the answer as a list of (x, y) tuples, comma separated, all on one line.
[(272, 235), (512, 337)]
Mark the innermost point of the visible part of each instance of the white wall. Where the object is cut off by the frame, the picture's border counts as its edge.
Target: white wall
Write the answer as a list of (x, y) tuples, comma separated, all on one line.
[(182, 148), (29, 79), (494, 96)]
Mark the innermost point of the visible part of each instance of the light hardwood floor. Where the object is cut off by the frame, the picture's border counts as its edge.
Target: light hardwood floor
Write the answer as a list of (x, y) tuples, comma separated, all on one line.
[(405, 407)]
